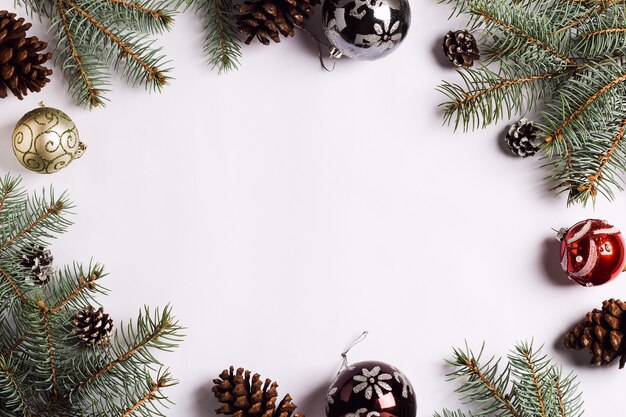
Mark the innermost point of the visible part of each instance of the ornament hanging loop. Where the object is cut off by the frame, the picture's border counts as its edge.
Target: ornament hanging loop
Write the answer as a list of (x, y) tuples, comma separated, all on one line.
[(344, 354), (334, 53)]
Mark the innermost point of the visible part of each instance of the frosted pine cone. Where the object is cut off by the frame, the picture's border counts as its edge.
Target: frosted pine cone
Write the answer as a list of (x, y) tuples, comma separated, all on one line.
[(461, 48), (39, 263), (93, 327), (521, 138)]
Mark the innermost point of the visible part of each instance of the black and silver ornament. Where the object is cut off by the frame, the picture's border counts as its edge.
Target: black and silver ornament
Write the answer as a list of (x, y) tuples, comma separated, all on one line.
[(365, 29), (40, 263), (521, 138), (371, 389), (93, 327)]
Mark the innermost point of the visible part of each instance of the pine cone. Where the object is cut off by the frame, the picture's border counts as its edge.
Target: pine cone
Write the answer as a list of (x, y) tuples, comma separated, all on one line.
[(461, 48), (243, 397), (521, 138), (93, 327), (39, 262), (21, 63), (602, 333), (267, 19)]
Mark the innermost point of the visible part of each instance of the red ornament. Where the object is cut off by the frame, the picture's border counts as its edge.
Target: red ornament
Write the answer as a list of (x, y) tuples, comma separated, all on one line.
[(592, 252), (371, 389)]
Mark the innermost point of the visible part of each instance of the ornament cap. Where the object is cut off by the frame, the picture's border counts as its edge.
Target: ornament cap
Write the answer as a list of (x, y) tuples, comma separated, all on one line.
[(335, 53)]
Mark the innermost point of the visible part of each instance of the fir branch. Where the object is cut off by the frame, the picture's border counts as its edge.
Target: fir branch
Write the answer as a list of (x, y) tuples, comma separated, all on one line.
[(520, 27), (221, 43), (153, 75), (480, 101), (152, 16), (92, 94), (12, 395), (536, 387), (13, 285), (54, 209)]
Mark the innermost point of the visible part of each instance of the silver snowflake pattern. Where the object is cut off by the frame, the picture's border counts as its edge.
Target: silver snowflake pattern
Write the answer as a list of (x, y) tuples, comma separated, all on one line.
[(385, 37), (329, 398), (361, 411), (406, 386), (360, 7), (372, 380)]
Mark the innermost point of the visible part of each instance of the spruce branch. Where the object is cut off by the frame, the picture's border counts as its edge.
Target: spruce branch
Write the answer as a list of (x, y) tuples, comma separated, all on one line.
[(221, 43), (529, 385), (46, 369), (93, 36), (563, 59)]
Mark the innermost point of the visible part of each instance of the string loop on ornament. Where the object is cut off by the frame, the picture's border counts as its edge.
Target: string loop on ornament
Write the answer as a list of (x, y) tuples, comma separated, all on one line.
[(344, 354), (334, 53)]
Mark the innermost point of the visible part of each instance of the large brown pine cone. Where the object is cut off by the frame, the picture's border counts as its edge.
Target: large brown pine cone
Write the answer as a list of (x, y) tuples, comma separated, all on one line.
[(245, 397), (267, 19), (21, 60), (602, 333)]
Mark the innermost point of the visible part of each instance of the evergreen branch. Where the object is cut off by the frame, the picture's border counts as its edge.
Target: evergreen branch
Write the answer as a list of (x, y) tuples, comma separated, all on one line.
[(50, 346), (155, 388), (54, 209), (154, 74), (12, 395), (587, 15), (221, 43), (604, 161), (17, 291), (9, 350), (557, 132), (93, 94), (559, 393), (486, 11), (84, 284), (479, 102), (158, 331), (158, 14), (530, 362)]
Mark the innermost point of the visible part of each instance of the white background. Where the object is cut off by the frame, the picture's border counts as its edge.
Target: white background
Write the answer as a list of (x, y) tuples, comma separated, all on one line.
[(282, 210)]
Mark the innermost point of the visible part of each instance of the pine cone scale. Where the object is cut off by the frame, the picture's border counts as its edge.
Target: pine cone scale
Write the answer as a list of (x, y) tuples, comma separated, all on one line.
[(602, 334)]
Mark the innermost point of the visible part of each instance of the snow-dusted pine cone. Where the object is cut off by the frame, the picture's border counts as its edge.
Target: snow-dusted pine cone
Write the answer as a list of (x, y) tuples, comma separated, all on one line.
[(39, 262), (602, 334), (461, 48), (245, 397), (93, 327), (521, 138)]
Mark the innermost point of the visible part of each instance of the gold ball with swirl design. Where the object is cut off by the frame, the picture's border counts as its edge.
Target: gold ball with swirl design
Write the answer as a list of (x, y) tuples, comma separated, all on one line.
[(46, 140)]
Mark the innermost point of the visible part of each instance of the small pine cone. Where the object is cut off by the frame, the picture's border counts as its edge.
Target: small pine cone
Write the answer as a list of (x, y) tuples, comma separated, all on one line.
[(602, 334), (39, 262), (521, 138), (21, 59), (245, 397), (461, 48), (267, 19), (93, 327)]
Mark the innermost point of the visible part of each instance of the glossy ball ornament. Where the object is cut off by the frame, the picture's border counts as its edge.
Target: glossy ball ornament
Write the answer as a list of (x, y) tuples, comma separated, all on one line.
[(45, 140), (592, 252), (366, 29), (371, 389)]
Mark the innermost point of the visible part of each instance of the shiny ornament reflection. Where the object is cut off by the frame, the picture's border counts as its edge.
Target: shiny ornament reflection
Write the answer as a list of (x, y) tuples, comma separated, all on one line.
[(366, 29), (592, 252), (371, 389)]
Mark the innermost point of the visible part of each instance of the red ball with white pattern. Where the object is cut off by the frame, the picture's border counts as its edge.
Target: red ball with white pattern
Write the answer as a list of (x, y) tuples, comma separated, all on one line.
[(592, 252)]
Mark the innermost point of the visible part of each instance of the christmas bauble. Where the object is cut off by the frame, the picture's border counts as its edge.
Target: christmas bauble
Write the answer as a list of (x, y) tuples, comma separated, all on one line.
[(46, 140), (371, 389), (592, 252), (366, 29)]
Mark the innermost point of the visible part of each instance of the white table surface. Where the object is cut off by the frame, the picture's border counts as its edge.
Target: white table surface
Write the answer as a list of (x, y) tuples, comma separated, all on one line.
[(282, 210)]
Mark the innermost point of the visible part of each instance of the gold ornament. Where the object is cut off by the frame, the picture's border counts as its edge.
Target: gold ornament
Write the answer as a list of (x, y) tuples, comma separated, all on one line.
[(46, 140)]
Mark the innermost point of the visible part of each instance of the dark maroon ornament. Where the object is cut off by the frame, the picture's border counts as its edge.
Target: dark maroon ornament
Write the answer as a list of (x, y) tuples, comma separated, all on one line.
[(371, 389)]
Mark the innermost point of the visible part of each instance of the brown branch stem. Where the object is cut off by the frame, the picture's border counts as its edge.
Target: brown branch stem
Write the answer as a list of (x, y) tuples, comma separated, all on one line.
[(531, 366), (149, 396), (54, 209), (527, 36), (558, 132), (93, 92), (473, 367)]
